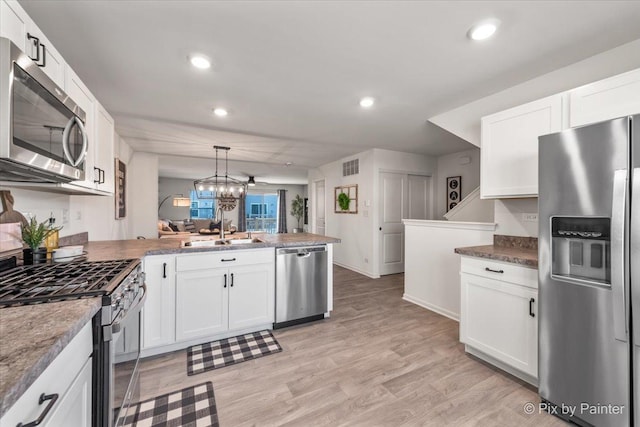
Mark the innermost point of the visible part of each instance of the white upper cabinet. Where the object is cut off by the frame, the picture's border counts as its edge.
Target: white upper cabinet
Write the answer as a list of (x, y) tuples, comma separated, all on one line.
[(40, 49), (13, 23), (18, 27), (104, 142), (606, 99), (509, 166)]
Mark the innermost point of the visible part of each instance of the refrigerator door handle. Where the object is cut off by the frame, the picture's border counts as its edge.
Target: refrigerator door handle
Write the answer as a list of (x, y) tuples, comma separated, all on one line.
[(618, 216), (635, 251)]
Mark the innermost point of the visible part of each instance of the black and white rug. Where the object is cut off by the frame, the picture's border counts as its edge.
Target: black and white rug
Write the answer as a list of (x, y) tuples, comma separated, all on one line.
[(217, 354), (190, 407)]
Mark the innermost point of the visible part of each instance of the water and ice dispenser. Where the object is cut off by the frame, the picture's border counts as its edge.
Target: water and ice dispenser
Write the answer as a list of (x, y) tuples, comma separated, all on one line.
[(581, 249)]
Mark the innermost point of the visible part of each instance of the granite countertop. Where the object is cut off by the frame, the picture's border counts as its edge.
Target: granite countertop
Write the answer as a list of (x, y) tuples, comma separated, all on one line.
[(31, 337), (513, 249), (124, 249)]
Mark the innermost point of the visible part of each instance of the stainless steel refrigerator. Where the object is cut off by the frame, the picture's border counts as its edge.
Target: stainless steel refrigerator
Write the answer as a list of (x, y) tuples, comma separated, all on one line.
[(589, 273)]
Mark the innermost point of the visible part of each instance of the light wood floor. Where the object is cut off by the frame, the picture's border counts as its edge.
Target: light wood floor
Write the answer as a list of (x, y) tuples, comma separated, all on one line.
[(378, 361)]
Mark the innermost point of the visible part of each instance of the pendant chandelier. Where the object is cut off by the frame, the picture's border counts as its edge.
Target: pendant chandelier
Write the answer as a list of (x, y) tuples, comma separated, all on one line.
[(223, 188)]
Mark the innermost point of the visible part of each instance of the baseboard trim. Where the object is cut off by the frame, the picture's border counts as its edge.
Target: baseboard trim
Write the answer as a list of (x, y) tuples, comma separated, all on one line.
[(357, 270), (498, 364), (442, 311)]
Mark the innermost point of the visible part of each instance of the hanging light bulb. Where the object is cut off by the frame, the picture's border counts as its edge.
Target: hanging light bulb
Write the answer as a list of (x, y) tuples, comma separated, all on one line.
[(211, 188), (200, 187)]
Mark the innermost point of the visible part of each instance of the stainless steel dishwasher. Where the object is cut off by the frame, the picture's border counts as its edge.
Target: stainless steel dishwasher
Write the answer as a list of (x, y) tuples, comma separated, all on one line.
[(301, 285)]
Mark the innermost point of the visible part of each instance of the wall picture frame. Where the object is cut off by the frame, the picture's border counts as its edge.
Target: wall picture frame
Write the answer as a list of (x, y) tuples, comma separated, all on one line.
[(346, 199), (121, 189), (453, 191)]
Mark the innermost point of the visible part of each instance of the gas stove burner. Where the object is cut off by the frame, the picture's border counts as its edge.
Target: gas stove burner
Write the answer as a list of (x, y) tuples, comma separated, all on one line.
[(58, 282)]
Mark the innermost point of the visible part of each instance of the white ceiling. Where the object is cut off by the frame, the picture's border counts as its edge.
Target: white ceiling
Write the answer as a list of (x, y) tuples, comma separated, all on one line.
[(291, 72)]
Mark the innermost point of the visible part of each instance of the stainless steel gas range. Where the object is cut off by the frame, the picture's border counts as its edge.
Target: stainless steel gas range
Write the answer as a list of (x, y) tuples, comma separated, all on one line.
[(116, 327)]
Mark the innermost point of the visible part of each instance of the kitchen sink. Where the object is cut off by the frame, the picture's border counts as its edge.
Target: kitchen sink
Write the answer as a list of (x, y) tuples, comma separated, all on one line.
[(243, 241), (220, 242)]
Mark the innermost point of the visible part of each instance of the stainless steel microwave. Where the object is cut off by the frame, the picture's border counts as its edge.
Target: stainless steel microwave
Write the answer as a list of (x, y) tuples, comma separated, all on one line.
[(42, 133)]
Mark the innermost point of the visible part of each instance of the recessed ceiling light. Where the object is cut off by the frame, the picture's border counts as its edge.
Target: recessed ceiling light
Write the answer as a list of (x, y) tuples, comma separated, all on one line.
[(288, 164), (483, 30), (200, 61), (220, 112), (367, 102)]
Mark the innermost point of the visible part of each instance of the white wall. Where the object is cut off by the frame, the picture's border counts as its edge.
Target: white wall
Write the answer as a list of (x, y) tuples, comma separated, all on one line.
[(359, 249), (432, 271), (450, 165), (142, 207), (508, 215), (93, 214)]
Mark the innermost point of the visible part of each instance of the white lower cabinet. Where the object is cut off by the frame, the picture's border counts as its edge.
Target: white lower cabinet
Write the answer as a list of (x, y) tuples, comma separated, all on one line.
[(205, 296), (65, 386), (158, 313), (251, 296), (75, 407), (201, 303), (498, 319), (214, 300)]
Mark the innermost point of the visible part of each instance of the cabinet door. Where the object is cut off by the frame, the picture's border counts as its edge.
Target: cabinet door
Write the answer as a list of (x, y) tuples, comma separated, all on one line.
[(50, 60), (159, 311), (496, 320), (509, 166), (85, 100), (13, 23), (201, 303), (606, 99), (103, 144), (251, 295), (74, 408)]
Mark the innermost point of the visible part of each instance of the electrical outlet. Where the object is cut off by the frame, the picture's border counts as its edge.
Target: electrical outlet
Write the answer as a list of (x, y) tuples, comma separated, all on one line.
[(530, 217)]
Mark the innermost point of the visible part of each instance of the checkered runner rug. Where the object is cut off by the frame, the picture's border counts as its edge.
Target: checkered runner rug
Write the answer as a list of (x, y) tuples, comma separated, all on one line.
[(190, 407), (217, 354)]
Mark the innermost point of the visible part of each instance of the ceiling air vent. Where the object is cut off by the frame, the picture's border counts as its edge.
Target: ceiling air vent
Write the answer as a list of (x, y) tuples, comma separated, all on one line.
[(352, 167)]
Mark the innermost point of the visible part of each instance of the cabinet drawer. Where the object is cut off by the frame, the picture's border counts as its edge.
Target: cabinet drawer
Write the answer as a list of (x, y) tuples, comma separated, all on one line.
[(498, 270), (224, 259), (56, 379)]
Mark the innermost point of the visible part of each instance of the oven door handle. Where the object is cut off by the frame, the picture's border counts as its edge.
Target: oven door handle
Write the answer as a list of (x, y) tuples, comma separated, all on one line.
[(115, 327)]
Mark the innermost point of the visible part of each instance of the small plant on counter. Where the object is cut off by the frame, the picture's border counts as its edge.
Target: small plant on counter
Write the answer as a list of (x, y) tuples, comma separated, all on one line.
[(33, 234)]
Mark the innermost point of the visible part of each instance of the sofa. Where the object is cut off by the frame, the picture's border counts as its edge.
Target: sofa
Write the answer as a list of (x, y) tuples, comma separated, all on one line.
[(187, 227)]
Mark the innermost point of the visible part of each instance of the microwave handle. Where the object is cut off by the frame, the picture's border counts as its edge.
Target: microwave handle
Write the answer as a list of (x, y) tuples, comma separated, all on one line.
[(65, 141)]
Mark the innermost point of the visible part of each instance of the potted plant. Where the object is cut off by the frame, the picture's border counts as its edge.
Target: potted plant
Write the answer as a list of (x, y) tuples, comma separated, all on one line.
[(297, 211), (33, 235)]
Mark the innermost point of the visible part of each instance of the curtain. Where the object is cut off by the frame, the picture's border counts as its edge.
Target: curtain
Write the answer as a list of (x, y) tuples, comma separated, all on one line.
[(242, 213), (282, 211)]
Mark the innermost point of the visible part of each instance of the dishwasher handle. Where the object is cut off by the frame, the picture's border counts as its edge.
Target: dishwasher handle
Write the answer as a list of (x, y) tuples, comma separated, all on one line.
[(303, 251)]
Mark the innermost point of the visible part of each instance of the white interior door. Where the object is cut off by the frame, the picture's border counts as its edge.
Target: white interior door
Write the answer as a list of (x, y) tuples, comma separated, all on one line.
[(320, 208), (393, 208), (419, 199)]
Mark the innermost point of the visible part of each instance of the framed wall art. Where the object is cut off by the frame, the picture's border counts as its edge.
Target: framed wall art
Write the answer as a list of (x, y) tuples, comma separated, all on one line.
[(346, 199), (454, 191), (121, 188)]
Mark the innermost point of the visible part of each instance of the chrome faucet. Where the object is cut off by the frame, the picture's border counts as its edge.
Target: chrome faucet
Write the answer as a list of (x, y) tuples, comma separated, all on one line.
[(221, 221)]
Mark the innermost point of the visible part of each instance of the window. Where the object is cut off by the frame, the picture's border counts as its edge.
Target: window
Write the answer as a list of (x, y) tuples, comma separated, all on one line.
[(204, 207), (262, 212), (257, 210)]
